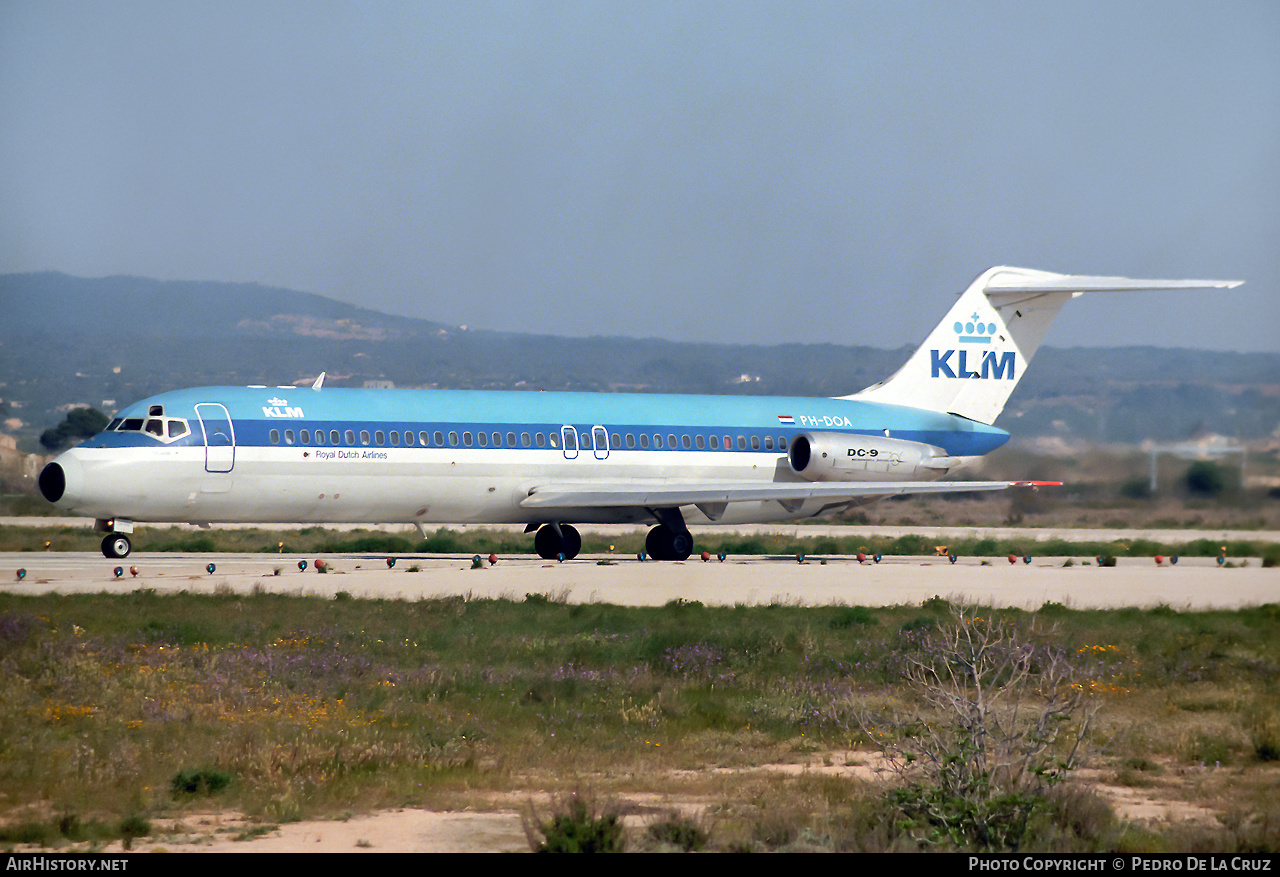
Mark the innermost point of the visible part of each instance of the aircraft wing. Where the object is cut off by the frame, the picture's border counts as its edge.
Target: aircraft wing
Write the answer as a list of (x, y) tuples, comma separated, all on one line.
[(667, 495)]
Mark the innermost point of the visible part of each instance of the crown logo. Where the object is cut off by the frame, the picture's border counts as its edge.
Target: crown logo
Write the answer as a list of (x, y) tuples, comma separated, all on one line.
[(975, 331)]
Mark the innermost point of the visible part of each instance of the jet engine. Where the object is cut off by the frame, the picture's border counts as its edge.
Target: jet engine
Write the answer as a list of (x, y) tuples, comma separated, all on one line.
[(835, 456)]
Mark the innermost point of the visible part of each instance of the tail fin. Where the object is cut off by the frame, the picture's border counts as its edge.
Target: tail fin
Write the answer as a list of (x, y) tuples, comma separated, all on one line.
[(972, 361)]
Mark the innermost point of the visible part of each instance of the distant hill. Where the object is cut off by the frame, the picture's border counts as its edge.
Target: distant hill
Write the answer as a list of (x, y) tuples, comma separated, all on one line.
[(68, 340)]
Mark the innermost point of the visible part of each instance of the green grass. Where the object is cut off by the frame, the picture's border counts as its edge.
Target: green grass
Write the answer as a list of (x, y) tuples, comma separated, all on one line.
[(147, 704), (320, 540)]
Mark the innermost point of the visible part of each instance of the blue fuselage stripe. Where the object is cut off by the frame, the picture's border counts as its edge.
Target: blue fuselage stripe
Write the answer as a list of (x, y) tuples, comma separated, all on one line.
[(255, 413)]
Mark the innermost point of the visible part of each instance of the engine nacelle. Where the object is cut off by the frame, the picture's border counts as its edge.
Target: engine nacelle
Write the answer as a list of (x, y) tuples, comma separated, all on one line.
[(834, 456)]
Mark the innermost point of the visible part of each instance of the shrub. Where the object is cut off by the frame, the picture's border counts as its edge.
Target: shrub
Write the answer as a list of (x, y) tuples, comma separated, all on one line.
[(851, 616), (578, 828), (1002, 714), (200, 782), (131, 827), (681, 832)]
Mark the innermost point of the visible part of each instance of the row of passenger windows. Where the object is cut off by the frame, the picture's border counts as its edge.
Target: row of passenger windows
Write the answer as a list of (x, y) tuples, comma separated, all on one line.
[(571, 440)]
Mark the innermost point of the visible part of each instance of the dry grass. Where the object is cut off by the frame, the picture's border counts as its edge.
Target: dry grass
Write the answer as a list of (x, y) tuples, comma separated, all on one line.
[(315, 708)]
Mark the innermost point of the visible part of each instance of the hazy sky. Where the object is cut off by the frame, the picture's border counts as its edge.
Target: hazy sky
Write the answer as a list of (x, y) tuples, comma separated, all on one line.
[(745, 171)]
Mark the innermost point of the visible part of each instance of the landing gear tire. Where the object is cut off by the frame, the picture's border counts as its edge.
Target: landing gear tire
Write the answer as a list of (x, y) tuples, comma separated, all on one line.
[(116, 546), (550, 545), (663, 543)]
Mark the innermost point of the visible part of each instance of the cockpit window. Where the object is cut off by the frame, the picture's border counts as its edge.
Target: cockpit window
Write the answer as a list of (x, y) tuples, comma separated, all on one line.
[(166, 429)]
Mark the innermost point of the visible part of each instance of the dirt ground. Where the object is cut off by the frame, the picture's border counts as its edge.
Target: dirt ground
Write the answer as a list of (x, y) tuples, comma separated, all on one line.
[(500, 830)]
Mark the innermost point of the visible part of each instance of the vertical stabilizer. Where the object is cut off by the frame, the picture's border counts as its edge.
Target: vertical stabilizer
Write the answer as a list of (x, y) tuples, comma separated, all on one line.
[(971, 362)]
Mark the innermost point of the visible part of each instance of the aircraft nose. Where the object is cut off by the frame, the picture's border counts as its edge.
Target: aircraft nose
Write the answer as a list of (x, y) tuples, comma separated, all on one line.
[(61, 480)]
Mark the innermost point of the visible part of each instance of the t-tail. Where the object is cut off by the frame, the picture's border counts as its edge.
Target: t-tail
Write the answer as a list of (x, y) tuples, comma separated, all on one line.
[(972, 361)]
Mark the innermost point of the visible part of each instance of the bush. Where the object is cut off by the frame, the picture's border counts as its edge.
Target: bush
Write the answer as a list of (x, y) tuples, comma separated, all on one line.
[(131, 827), (1206, 478), (681, 832), (1002, 715), (853, 616), (200, 782), (577, 829)]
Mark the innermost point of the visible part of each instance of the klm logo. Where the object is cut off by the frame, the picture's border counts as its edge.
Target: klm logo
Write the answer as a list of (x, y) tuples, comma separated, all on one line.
[(280, 408), (989, 364)]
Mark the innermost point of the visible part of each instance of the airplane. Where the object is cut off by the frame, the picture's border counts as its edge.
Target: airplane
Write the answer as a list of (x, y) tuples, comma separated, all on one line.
[(551, 460)]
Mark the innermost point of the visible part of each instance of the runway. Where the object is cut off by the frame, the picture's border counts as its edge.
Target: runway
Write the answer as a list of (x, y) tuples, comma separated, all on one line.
[(1194, 583)]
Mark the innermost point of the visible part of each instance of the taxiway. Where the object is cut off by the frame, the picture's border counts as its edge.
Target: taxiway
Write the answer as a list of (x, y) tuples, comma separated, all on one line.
[(1193, 583)]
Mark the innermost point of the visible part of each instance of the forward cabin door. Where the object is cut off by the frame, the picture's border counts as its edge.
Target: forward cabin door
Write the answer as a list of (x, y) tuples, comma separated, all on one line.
[(219, 437)]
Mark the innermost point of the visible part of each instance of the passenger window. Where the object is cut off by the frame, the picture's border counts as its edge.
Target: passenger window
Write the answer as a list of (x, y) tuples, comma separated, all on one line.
[(671, 441), (742, 443), (275, 436), (616, 440), (715, 443), (439, 437), (755, 443), (511, 439), (657, 441), (728, 443), (524, 439), (453, 439), (466, 438), (782, 443), (319, 436), (685, 442), (768, 443), (364, 436), (305, 435), (553, 438), (334, 438), (379, 437), (701, 442), (644, 440), (540, 439), (631, 440), (395, 437), (484, 440), (288, 436), (350, 436), (497, 439)]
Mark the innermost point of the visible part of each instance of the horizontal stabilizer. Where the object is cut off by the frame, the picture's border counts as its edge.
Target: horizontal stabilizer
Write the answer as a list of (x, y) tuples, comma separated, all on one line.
[(971, 362), (1090, 283)]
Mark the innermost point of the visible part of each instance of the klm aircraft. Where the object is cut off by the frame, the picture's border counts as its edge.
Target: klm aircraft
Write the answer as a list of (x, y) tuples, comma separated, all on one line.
[(552, 460)]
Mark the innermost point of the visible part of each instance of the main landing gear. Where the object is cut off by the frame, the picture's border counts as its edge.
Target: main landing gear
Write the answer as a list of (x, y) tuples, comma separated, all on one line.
[(664, 543), (116, 545), (670, 540), (556, 540)]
